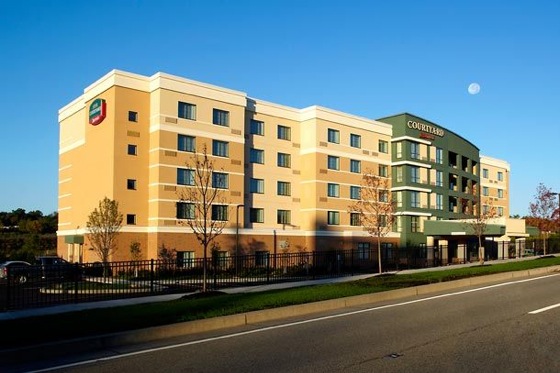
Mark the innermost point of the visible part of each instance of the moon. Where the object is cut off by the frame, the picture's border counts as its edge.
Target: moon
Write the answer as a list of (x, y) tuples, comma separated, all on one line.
[(474, 88)]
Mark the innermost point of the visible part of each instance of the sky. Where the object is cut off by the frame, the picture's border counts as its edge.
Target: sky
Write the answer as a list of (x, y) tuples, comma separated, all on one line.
[(366, 58)]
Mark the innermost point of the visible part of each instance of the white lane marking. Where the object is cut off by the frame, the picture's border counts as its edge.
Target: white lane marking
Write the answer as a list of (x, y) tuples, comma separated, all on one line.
[(544, 309), (234, 335)]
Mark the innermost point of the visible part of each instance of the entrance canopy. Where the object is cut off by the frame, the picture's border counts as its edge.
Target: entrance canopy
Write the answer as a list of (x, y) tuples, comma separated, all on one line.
[(446, 228)]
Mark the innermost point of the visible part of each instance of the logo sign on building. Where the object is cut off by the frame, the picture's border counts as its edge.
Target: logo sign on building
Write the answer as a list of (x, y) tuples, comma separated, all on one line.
[(97, 111), (425, 129)]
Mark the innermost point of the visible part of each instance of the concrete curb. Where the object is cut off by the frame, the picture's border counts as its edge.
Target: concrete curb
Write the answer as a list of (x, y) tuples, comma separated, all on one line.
[(251, 318)]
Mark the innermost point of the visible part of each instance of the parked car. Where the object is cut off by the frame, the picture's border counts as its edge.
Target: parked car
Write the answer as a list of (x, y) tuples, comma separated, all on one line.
[(54, 267), (19, 271)]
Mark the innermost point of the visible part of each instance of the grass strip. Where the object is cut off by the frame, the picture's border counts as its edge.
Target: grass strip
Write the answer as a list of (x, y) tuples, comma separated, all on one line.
[(91, 322)]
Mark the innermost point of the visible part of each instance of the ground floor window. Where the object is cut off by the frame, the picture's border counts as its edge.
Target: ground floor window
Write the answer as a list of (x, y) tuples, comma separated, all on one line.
[(185, 259), (363, 250)]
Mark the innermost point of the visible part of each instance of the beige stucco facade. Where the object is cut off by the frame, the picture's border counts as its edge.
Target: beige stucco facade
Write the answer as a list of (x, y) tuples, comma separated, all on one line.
[(133, 157)]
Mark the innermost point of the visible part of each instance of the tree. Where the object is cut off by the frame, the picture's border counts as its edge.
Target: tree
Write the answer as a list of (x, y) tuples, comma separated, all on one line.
[(479, 225), (542, 211), (104, 224), (375, 208), (202, 205)]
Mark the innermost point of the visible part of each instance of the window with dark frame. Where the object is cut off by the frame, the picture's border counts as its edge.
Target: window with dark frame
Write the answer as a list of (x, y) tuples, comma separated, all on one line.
[(186, 111), (132, 116), (186, 143), (132, 149), (220, 117), (220, 212), (131, 184), (131, 219), (185, 210), (256, 127)]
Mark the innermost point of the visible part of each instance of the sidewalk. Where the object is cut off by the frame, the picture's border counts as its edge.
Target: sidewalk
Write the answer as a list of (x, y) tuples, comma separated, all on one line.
[(10, 315)]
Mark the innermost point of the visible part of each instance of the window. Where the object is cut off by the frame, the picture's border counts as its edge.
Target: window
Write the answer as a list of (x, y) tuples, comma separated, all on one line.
[(485, 209), (363, 250), (439, 202), (220, 212), (399, 170), (131, 184), (220, 117), (399, 199), (414, 150), (382, 220), (333, 136), (186, 143), (333, 190), (439, 155), (132, 116), (355, 166), (284, 160), (414, 199), (256, 215), (500, 176), (383, 196), (485, 173), (354, 192), (439, 178), (500, 211), (220, 148), (220, 180), (262, 258), (500, 193), (257, 127), (485, 191), (399, 223), (414, 224), (185, 210), (333, 218), (399, 149), (382, 170), (383, 146), (185, 176), (333, 163), (283, 217), (355, 141), (256, 156), (284, 188), (415, 174), (131, 219), (186, 111), (355, 220), (132, 149), (284, 133), (256, 186), (185, 259)]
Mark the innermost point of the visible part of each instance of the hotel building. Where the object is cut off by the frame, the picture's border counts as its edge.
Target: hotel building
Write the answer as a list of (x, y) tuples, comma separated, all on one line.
[(288, 175)]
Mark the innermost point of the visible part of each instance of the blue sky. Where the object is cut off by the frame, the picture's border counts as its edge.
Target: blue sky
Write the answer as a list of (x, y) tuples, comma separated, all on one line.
[(367, 58)]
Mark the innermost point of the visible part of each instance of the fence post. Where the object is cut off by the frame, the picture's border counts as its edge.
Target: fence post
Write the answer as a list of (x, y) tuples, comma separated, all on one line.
[(152, 276), (268, 268)]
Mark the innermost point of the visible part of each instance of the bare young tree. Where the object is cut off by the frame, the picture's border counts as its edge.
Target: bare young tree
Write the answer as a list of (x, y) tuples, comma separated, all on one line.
[(479, 225), (202, 205), (375, 208), (104, 224), (542, 211)]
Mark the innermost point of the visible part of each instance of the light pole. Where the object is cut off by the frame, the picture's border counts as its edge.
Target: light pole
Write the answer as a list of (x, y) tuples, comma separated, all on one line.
[(237, 230)]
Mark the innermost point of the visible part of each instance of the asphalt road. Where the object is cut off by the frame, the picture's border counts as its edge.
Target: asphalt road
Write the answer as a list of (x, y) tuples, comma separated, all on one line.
[(499, 328)]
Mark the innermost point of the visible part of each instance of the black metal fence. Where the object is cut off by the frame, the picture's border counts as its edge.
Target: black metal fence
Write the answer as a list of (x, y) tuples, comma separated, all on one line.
[(37, 286)]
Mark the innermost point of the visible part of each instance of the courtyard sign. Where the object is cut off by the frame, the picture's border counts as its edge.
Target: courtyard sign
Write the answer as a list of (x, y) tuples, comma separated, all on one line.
[(432, 130), (97, 111)]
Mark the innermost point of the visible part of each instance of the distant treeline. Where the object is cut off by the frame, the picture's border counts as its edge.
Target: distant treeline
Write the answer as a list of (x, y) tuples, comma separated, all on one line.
[(24, 235)]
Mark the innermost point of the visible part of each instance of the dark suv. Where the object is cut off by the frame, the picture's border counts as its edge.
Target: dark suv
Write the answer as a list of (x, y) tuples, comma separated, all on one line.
[(53, 267)]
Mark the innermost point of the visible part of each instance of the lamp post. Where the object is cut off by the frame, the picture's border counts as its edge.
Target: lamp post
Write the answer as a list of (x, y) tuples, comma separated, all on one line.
[(237, 231)]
